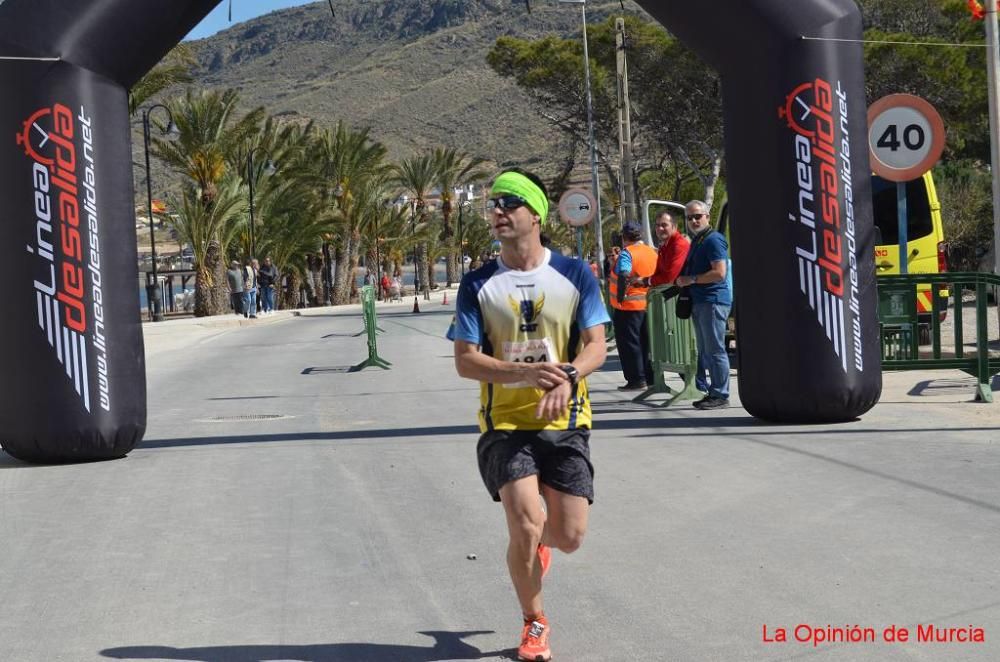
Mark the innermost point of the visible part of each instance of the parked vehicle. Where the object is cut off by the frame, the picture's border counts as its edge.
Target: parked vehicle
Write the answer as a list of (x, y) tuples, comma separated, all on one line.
[(925, 245)]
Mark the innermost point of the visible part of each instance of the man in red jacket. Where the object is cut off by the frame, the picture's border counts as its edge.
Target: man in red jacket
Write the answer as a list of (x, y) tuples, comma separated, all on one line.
[(673, 251)]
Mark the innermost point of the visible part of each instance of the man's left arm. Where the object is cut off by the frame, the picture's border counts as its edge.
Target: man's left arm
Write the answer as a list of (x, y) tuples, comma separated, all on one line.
[(718, 253), (555, 401)]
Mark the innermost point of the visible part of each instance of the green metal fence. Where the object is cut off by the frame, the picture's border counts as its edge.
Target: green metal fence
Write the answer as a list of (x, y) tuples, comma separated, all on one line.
[(672, 348), (900, 325), (371, 328)]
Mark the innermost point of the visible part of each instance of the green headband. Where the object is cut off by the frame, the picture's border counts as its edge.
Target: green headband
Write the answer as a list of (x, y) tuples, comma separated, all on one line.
[(514, 183)]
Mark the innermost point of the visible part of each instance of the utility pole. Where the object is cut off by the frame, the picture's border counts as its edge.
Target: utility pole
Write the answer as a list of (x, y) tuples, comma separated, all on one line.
[(993, 66), (629, 209), (594, 180)]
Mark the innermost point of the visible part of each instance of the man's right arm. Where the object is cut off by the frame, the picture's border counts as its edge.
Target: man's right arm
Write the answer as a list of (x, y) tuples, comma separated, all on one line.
[(471, 363)]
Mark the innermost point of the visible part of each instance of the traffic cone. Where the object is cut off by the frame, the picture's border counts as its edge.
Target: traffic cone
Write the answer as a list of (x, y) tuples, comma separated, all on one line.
[(416, 306), (445, 301)]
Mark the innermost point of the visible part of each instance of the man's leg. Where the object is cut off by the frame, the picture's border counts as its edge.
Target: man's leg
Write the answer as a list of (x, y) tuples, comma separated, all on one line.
[(627, 339), (525, 524), (715, 354), (698, 317), (647, 364), (618, 321), (567, 520)]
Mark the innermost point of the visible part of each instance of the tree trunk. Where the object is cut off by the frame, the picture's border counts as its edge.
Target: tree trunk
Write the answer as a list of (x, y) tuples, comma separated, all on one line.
[(428, 270), (451, 273), (342, 278), (290, 294), (355, 260), (211, 296), (711, 178)]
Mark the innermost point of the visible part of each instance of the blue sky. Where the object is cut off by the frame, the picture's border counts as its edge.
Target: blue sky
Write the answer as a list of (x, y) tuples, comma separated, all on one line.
[(243, 10)]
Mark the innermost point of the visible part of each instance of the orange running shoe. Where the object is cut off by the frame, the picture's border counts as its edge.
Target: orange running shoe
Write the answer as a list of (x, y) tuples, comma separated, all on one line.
[(545, 558), (535, 641)]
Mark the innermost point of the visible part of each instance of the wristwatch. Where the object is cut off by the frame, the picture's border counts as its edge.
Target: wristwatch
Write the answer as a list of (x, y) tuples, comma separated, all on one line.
[(571, 372)]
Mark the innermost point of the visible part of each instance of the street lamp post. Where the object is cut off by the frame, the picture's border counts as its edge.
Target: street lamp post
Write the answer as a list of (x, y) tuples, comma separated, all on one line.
[(269, 169), (594, 183), (413, 223), (461, 233), (153, 296)]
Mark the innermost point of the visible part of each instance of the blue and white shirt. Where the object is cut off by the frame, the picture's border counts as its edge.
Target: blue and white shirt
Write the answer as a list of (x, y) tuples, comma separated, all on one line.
[(530, 316)]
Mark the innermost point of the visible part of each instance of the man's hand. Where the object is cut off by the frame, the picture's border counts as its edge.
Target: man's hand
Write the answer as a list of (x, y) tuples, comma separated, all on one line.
[(554, 402), (545, 375)]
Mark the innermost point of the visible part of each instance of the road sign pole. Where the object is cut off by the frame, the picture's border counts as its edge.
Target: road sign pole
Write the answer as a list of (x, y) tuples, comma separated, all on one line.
[(904, 252)]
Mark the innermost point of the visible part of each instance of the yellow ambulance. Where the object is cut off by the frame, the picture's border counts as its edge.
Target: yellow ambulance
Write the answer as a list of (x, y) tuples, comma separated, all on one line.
[(925, 245)]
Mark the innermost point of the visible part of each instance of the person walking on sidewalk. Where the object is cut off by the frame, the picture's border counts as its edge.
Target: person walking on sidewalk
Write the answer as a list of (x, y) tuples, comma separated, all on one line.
[(705, 274), (627, 290), (234, 278), (529, 326), (249, 290), (267, 277)]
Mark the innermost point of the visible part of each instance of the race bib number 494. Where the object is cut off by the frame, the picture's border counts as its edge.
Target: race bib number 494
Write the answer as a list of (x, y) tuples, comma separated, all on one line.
[(528, 351)]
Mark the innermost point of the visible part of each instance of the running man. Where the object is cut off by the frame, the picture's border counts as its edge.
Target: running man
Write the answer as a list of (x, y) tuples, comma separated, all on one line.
[(530, 327)]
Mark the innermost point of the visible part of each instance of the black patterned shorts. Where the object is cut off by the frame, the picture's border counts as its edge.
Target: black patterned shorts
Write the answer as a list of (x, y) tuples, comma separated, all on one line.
[(560, 459)]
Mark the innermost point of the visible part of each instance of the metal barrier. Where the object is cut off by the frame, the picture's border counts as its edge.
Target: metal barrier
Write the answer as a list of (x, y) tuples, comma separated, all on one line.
[(899, 324), (168, 295), (371, 327), (672, 348)]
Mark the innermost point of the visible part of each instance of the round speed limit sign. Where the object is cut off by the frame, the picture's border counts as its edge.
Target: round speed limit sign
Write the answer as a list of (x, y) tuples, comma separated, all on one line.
[(905, 137)]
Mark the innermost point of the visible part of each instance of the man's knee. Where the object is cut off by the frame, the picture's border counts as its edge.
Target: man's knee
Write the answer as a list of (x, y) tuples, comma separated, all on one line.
[(569, 540), (526, 526)]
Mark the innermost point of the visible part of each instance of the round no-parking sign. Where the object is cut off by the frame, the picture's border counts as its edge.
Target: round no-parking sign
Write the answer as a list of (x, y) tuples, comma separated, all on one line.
[(905, 137), (577, 207)]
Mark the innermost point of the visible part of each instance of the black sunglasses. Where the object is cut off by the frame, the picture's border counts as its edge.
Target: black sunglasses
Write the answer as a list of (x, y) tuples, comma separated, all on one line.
[(694, 217), (506, 202)]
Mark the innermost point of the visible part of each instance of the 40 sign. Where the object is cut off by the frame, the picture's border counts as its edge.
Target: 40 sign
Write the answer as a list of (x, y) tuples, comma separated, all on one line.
[(905, 137)]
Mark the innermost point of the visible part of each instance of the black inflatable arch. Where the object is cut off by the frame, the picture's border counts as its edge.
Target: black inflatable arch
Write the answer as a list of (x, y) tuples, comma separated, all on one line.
[(71, 342)]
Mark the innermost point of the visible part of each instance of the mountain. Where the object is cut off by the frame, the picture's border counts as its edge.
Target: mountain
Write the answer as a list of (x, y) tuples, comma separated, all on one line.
[(413, 70)]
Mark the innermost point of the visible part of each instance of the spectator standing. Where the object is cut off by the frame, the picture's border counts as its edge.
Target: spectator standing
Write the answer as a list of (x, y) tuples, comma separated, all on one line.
[(670, 259), (673, 251), (705, 274), (267, 278), (386, 285), (396, 289), (249, 290), (627, 291), (234, 278)]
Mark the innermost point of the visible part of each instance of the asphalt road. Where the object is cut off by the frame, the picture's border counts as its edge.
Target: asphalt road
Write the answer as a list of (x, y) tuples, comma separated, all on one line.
[(284, 509)]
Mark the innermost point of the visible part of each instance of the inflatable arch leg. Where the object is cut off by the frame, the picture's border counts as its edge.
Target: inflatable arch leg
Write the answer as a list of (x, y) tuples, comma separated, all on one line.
[(800, 196), (71, 343)]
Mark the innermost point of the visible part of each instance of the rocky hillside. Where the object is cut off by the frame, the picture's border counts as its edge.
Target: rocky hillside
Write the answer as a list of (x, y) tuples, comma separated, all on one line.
[(413, 70)]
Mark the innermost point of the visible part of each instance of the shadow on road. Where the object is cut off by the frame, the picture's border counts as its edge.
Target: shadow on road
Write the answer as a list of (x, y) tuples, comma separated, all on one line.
[(447, 646)]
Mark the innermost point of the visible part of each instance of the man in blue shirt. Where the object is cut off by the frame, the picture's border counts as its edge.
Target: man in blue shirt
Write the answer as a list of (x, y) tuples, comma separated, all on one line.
[(704, 274)]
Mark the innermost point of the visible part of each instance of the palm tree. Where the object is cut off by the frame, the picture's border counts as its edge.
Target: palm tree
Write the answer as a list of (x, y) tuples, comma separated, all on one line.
[(477, 236), (416, 177), (453, 169), (209, 132), (173, 69), (345, 160), (208, 230), (292, 184)]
